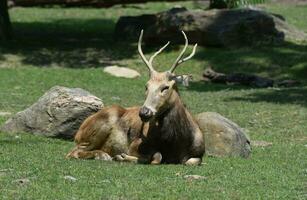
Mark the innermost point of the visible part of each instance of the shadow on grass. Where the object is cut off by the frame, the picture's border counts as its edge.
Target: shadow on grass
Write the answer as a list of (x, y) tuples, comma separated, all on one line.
[(296, 96), (83, 43), (72, 43), (287, 60), (201, 86)]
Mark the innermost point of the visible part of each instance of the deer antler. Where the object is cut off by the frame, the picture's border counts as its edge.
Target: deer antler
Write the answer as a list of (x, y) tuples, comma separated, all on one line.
[(180, 60), (149, 63)]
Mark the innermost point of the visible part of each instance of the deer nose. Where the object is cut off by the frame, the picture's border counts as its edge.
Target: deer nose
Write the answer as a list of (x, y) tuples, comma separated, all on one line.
[(145, 114)]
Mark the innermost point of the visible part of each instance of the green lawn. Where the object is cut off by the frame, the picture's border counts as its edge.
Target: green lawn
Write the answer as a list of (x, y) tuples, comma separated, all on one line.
[(69, 47)]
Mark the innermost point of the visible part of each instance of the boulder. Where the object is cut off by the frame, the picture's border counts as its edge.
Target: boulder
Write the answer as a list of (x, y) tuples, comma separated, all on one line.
[(58, 113), (223, 138), (123, 72), (216, 27)]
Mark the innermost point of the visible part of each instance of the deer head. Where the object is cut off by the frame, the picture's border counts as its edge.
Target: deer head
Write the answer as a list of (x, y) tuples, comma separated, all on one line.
[(161, 90)]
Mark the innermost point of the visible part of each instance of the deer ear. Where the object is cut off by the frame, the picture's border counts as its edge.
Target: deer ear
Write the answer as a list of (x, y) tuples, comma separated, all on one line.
[(183, 79)]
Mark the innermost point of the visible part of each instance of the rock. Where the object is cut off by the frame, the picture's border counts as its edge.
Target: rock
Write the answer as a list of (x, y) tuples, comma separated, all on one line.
[(70, 178), (58, 113), (216, 27), (121, 72), (222, 136)]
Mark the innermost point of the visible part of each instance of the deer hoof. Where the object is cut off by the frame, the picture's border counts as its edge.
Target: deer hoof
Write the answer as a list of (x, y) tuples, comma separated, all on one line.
[(193, 162), (156, 158), (103, 156), (119, 158), (73, 154), (124, 155)]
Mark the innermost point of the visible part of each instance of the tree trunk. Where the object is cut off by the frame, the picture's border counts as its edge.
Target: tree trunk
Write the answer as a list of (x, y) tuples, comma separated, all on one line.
[(94, 3), (5, 24)]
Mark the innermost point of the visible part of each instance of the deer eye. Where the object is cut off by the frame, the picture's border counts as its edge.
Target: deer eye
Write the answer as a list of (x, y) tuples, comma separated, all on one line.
[(146, 88), (165, 88)]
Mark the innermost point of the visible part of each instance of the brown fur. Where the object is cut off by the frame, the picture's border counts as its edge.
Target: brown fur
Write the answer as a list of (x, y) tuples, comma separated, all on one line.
[(101, 132)]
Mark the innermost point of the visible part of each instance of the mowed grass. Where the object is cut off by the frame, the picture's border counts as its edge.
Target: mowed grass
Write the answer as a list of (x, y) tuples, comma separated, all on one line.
[(70, 47)]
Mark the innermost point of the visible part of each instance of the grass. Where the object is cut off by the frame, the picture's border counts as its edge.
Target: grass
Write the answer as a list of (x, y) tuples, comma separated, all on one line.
[(69, 47)]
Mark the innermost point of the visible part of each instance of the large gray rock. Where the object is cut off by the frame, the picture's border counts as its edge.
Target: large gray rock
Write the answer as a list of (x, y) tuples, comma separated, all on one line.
[(214, 27), (223, 137), (58, 113)]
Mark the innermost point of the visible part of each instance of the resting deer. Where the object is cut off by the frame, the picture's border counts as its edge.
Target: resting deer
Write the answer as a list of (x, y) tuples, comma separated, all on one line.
[(161, 131)]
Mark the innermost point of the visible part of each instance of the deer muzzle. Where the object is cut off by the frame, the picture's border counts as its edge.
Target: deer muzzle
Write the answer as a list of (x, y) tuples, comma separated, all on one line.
[(145, 114)]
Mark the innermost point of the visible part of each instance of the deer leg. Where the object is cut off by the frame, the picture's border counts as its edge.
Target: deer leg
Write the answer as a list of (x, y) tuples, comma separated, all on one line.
[(126, 158), (156, 158), (193, 161), (80, 153)]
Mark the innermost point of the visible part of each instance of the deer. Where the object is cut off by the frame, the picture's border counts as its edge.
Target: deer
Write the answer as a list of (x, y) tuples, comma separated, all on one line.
[(162, 130)]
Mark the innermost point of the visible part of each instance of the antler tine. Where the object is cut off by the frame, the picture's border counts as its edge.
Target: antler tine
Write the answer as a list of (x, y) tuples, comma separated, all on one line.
[(151, 69), (158, 52), (179, 59), (190, 56)]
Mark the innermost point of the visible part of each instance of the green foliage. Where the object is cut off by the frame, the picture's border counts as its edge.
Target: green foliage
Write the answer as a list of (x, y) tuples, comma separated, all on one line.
[(234, 3)]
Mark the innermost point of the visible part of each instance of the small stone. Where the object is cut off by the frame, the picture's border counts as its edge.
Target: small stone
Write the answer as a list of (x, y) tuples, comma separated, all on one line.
[(70, 178), (121, 72), (194, 177), (256, 143)]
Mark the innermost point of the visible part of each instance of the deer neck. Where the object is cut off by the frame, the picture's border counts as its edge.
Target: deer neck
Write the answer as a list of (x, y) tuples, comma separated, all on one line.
[(175, 122)]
